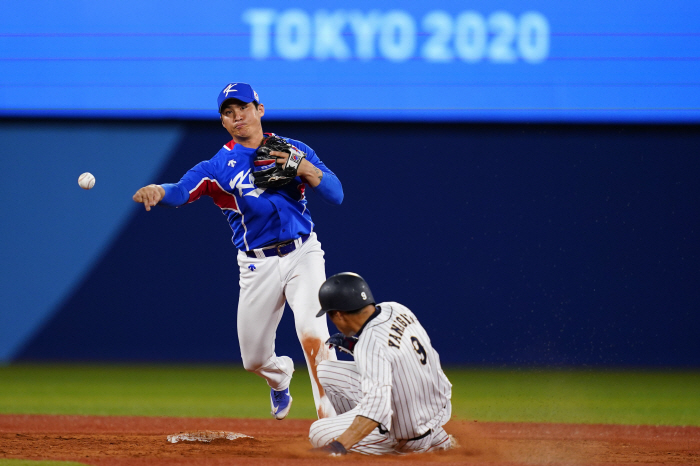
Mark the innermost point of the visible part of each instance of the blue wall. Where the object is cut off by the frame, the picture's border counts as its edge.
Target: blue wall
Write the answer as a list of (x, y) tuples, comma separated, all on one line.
[(514, 244)]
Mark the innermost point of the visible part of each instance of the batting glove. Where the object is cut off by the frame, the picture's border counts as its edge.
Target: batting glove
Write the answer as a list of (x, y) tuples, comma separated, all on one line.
[(335, 448), (343, 343)]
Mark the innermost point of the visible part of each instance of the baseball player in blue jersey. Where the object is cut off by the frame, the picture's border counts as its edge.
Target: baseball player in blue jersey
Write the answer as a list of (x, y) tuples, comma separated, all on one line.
[(279, 256)]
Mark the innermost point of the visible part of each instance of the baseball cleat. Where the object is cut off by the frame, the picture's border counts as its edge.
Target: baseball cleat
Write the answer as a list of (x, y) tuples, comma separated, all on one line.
[(281, 401)]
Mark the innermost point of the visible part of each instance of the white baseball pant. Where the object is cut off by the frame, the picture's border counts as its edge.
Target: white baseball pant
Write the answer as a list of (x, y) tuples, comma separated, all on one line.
[(341, 382), (265, 284)]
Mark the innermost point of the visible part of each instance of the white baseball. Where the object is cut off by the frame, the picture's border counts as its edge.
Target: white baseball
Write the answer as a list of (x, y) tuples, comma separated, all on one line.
[(86, 180)]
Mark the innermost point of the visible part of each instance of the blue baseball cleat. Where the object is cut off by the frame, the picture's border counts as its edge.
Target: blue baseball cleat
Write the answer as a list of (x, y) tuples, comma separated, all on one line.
[(281, 401)]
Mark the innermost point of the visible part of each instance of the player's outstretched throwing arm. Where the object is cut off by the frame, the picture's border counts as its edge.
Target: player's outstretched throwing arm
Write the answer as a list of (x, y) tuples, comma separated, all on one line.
[(174, 195)]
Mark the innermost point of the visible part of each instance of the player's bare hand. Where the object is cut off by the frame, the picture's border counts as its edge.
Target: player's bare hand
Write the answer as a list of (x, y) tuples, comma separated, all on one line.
[(281, 157), (306, 168), (149, 195)]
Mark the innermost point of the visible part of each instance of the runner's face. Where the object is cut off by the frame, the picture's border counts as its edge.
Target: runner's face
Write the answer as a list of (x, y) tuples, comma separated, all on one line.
[(339, 320)]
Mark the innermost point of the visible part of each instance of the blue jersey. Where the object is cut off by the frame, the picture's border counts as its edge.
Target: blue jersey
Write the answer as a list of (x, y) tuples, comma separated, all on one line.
[(259, 217)]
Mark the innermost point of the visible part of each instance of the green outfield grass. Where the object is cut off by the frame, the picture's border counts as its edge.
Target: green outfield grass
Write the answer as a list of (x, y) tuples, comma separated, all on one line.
[(532, 395), (578, 396)]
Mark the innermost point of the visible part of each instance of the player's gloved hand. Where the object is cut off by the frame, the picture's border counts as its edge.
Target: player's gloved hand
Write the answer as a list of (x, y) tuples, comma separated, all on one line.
[(335, 448), (343, 343), (267, 172)]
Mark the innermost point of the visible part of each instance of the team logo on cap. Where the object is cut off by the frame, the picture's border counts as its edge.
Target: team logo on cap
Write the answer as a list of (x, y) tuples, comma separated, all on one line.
[(230, 88)]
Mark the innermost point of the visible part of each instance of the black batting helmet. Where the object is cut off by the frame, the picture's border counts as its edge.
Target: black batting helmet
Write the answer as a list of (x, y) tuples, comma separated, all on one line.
[(345, 292)]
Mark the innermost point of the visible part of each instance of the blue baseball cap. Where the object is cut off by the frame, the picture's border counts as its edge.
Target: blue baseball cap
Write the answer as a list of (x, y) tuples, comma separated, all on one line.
[(238, 91)]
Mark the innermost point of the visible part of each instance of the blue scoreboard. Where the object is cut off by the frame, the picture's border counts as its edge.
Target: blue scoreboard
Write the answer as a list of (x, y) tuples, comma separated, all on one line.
[(445, 60)]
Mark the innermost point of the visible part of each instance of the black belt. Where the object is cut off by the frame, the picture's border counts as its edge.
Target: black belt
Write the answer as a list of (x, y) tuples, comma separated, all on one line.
[(428, 432), (279, 249)]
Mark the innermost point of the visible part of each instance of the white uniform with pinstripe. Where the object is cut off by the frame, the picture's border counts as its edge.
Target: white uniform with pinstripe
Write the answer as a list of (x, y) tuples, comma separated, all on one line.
[(395, 380)]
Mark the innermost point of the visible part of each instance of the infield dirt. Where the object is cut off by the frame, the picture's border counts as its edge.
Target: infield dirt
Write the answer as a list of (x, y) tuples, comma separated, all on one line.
[(121, 441)]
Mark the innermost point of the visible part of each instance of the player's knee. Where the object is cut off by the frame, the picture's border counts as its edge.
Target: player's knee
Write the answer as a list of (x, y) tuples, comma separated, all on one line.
[(324, 371), (317, 433), (253, 364)]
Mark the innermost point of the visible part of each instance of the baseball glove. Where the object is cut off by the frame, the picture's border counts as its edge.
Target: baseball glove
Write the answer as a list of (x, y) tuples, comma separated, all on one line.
[(343, 343), (267, 172)]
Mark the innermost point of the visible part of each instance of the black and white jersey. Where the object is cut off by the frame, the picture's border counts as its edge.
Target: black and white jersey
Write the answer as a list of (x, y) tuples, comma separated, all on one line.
[(403, 386)]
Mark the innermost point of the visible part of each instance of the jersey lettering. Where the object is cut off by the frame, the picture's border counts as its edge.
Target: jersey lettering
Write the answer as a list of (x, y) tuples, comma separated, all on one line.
[(401, 321), (418, 348), (237, 183)]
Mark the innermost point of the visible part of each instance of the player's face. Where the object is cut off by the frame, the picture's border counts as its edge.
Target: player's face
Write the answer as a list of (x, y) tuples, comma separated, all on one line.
[(243, 121), (339, 320)]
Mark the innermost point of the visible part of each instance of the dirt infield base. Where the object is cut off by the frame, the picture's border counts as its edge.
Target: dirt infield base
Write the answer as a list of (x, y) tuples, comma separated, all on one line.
[(117, 441)]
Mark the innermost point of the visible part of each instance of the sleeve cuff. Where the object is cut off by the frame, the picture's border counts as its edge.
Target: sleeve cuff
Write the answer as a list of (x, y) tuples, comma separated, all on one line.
[(173, 195), (330, 189)]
